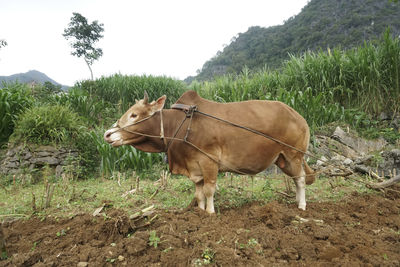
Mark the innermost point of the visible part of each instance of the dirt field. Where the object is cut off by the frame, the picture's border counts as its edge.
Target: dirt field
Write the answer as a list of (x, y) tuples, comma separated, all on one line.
[(361, 230)]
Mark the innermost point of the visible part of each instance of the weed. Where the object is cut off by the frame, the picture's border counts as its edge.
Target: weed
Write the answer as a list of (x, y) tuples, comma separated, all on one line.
[(252, 242), (3, 255), (111, 260), (35, 244), (63, 232), (154, 240), (208, 256)]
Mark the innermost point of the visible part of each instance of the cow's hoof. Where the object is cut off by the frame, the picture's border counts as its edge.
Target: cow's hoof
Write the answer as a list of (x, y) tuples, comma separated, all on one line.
[(302, 206)]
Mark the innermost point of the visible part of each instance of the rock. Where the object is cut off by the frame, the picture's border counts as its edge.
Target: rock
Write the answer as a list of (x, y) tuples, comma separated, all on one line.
[(11, 152), (362, 169), (383, 116), (11, 164), (18, 159), (27, 156), (347, 161), (14, 159), (82, 264), (360, 145), (59, 170), (46, 161), (338, 158), (43, 154), (50, 149)]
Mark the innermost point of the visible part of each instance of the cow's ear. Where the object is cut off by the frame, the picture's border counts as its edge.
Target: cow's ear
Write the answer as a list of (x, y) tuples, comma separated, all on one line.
[(159, 103)]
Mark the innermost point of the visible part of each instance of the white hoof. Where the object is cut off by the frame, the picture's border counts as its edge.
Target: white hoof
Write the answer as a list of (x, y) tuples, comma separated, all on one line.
[(302, 206)]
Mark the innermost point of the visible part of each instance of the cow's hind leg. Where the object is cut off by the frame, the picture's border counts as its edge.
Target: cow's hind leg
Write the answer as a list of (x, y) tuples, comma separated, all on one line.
[(294, 168)]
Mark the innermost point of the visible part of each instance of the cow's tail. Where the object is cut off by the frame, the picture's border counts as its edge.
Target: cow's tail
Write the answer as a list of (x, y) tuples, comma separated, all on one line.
[(310, 175)]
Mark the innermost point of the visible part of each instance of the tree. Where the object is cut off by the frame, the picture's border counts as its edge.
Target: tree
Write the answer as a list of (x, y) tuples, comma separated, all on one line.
[(3, 43), (84, 35)]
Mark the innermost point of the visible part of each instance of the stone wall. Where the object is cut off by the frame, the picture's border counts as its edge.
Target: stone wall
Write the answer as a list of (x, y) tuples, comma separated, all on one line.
[(29, 157)]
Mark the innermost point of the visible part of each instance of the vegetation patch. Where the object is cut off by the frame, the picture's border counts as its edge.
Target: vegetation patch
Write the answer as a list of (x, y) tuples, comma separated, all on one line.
[(49, 124)]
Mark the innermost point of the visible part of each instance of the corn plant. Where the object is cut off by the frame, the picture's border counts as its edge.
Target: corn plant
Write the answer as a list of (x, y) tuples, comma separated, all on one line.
[(123, 158), (14, 98), (94, 110), (122, 90)]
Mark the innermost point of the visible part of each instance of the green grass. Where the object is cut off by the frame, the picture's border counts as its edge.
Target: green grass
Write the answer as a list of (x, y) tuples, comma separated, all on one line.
[(14, 99), (87, 195)]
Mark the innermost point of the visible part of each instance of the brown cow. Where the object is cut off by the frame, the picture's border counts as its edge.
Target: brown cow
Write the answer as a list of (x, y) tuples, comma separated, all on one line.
[(213, 145)]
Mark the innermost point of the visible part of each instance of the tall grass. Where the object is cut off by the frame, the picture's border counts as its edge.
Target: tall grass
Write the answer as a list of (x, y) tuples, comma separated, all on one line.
[(14, 99), (324, 86), (366, 77), (317, 108), (94, 110), (122, 90)]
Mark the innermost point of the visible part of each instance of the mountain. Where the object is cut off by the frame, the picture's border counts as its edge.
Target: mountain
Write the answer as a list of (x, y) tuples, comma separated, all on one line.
[(319, 25), (32, 76)]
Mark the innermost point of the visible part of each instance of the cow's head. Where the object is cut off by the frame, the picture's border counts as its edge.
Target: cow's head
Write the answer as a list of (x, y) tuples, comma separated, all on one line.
[(140, 118)]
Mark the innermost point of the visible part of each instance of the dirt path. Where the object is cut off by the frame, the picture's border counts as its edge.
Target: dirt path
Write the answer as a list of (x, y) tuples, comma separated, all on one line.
[(359, 230)]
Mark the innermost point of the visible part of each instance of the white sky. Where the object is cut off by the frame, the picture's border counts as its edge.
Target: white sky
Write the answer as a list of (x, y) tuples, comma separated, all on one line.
[(158, 37)]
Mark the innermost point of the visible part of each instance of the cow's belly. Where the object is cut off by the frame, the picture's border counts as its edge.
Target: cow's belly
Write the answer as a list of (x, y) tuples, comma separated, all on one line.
[(251, 159)]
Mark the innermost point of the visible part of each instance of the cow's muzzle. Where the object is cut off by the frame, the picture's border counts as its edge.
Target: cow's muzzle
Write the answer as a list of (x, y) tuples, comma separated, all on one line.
[(112, 135)]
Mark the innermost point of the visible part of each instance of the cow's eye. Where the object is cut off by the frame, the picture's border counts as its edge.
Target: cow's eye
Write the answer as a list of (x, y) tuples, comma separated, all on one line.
[(133, 115)]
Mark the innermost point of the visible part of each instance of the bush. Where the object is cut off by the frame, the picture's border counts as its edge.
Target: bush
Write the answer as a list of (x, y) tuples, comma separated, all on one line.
[(48, 124)]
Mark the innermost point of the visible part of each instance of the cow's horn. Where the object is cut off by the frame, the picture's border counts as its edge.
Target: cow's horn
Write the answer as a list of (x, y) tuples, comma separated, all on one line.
[(146, 98)]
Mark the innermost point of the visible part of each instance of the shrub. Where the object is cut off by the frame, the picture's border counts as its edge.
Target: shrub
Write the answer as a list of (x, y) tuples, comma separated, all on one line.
[(48, 124)]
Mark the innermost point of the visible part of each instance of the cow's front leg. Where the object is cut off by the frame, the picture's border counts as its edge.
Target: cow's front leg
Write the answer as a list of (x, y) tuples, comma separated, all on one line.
[(210, 172), (199, 194), (300, 191)]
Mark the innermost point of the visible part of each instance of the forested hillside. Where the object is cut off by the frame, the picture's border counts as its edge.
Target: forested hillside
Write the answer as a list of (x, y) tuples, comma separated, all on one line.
[(32, 76), (320, 24)]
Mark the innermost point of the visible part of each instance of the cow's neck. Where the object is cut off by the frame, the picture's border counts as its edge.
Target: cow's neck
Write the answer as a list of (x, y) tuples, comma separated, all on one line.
[(171, 121)]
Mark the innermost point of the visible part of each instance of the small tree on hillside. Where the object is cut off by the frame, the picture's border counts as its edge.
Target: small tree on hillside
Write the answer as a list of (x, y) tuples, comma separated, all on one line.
[(3, 43), (84, 35)]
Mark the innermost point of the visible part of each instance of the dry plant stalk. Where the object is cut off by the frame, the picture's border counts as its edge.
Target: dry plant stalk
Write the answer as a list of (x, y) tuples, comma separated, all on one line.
[(288, 185), (34, 209), (64, 179), (164, 178), (119, 179), (48, 194), (137, 182)]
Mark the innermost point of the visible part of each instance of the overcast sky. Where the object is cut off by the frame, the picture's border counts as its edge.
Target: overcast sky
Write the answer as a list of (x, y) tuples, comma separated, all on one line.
[(158, 37)]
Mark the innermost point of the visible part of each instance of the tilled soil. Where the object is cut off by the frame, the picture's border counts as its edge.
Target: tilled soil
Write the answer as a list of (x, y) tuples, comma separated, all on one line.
[(360, 230)]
